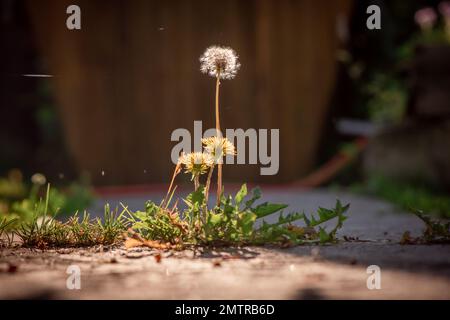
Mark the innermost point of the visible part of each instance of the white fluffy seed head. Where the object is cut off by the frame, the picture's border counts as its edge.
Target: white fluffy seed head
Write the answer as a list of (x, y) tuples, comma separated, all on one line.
[(38, 179), (220, 62)]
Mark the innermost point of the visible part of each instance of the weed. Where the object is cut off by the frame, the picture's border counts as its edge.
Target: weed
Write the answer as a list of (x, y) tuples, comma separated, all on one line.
[(112, 226), (234, 221), (45, 231), (4, 226), (435, 231), (4, 223)]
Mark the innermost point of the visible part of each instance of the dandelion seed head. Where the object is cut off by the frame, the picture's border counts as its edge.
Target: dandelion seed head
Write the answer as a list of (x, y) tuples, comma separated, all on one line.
[(220, 61), (218, 147), (196, 163), (39, 179)]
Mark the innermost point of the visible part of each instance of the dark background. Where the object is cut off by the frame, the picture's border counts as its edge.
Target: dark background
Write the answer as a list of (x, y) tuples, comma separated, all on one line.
[(131, 76)]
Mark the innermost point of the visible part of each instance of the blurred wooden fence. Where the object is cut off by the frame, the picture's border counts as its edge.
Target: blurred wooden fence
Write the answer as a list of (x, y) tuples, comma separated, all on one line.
[(131, 76)]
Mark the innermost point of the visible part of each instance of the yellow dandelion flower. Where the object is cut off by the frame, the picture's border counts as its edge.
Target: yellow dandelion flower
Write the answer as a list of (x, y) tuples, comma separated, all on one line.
[(197, 163), (218, 147)]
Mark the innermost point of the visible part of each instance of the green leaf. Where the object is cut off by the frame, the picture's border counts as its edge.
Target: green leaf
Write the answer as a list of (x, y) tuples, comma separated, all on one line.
[(151, 207), (215, 219), (256, 194), (248, 218), (291, 217), (324, 236), (196, 197), (228, 209), (266, 209), (241, 194), (326, 214), (141, 215)]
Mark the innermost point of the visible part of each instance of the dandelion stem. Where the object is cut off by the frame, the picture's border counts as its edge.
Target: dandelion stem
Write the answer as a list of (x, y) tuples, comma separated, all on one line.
[(217, 105), (208, 183), (175, 173), (196, 182), (218, 133), (207, 186)]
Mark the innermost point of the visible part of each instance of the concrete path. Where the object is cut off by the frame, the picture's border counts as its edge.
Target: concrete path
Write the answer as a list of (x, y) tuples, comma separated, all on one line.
[(311, 272)]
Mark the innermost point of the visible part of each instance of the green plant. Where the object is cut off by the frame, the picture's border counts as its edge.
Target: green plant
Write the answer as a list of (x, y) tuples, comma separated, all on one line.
[(435, 231), (4, 223), (233, 220), (4, 228), (43, 230), (38, 230), (408, 196), (112, 226), (237, 220), (47, 232), (12, 187), (18, 201), (387, 98)]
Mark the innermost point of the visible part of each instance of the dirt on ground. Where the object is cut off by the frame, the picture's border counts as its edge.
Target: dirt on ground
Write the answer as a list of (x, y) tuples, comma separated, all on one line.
[(311, 272)]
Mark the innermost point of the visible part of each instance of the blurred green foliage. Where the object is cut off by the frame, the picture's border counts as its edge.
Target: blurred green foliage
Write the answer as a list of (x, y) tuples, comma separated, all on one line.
[(377, 63), (376, 68), (388, 100), (19, 200), (410, 196)]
